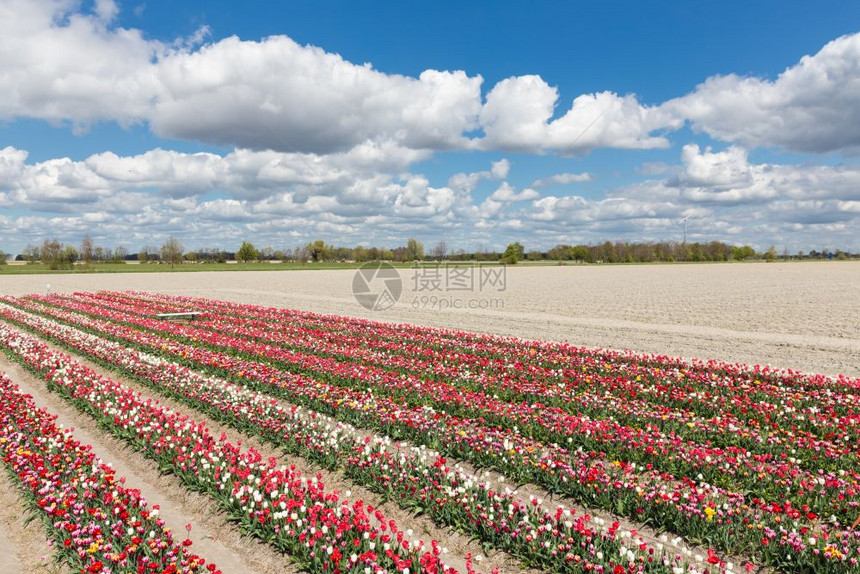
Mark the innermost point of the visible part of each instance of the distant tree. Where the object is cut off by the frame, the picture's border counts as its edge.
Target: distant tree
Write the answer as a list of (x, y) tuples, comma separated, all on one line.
[(534, 256), (319, 251), (770, 254), (247, 252), (171, 251), (401, 254), (696, 253), (302, 254), (87, 251), (742, 253), (557, 253), (580, 253), (608, 253), (119, 254), (51, 253), (3, 257), (32, 253), (150, 253), (439, 251), (68, 256), (360, 253), (513, 253), (414, 250)]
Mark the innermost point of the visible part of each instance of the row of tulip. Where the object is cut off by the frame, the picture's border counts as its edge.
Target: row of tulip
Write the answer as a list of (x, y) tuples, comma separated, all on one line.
[(763, 420), (453, 342), (775, 531), (297, 515), (94, 521), (629, 399), (766, 477), (558, 541)]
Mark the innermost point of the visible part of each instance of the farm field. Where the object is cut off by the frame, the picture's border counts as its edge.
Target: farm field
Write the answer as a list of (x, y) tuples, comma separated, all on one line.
[(341, 444)]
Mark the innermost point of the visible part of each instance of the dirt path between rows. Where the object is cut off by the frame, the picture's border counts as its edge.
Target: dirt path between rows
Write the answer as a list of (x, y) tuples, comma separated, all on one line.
[(214, 539), (24, 546)]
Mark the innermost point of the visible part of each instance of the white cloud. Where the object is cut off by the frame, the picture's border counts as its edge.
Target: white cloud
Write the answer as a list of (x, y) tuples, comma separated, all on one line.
[(716, 170), (280, 95), (506, 193), (11, 165), (281, 200), (500, 169), (492, 207), (65, 66), (561, 179), (466, 182), (813, 106), (518, 116), (106, 10)]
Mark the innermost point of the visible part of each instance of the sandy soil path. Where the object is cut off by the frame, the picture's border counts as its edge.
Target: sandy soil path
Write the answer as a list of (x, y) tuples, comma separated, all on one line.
[(801, 315), (23, 547)]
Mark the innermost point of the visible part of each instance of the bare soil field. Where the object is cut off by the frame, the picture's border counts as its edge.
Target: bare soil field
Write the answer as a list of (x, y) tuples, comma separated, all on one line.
[(803, 316)]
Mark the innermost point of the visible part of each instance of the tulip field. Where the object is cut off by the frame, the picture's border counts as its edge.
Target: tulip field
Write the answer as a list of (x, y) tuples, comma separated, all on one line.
[(631, 462)]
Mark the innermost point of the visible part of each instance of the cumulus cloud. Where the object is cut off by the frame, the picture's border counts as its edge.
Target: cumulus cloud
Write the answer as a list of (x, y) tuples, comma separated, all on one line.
[(500, 169), (466, 182), (11, 165), (68, 66), (579, 210), (716, 170), (561, 179), (507, 193), (65, 66), (322, 145), (811, 107), (280, 95), (504, 195), (278, 200), (71, 66), (518, 113)]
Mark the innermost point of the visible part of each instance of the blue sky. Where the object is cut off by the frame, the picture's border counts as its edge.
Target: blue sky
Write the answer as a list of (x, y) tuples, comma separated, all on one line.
[(474, 123)]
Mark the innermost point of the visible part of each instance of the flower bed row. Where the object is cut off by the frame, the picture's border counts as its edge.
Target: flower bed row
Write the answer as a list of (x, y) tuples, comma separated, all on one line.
[(556, 541), (95, 521), (464, 345), (631, 399), (764, 477), (275, 503), (775, 532)]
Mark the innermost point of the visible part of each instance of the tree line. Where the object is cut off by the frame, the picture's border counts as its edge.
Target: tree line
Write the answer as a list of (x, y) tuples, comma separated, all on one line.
[(57, 255)]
